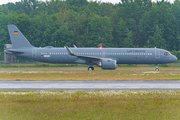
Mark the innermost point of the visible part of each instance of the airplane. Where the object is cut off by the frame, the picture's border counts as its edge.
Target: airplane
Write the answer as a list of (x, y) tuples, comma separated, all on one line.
[(106, 58)]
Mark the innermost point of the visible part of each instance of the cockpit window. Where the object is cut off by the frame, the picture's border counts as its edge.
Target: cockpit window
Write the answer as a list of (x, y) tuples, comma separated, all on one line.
[(166, 53)]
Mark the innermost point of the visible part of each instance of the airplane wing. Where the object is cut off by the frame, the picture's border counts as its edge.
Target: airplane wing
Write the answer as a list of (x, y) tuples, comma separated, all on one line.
[(86, 57)]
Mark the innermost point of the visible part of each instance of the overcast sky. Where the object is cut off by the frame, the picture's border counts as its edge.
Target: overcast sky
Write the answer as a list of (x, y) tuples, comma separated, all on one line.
[(111, 1)]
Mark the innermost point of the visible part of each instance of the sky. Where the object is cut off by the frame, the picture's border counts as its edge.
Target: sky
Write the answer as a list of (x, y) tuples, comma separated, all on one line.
[(111, 1)]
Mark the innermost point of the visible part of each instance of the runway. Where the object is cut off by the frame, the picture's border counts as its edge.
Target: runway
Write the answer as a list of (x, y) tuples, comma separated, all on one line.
[(92, 85)]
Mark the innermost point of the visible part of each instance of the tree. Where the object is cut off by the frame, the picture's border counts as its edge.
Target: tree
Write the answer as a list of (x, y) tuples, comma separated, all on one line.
[(51, 7), (10, 18), (23, 23), (100, 31), (63, 36), (41, 30), (4, 9), (77, 3), (176, 28), (128, 41), (120, 33), (157, 39), (106, 9), (94, 7), (29, 5), (76, 22), (162, 16)]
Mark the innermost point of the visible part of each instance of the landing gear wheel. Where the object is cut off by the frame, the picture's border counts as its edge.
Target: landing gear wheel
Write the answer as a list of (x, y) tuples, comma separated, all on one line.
[(90, 68)]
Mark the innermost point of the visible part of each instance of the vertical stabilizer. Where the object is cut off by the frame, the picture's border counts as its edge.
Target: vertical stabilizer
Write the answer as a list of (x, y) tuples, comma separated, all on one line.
[(17, 38)]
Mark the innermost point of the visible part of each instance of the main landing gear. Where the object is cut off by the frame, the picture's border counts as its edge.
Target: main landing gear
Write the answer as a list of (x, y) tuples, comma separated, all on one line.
[(157, 69), (90, 68)]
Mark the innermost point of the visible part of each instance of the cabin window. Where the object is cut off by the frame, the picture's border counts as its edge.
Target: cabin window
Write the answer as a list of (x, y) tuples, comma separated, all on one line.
[(166, 53)]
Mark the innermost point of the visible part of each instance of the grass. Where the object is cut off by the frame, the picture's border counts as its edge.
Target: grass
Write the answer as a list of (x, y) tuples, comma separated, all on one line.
[(42, 65), (37, 65), (96, 105), (81, 73)]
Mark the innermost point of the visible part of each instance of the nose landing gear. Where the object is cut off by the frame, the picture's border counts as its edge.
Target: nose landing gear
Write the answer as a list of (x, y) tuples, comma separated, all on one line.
[(157, 69)]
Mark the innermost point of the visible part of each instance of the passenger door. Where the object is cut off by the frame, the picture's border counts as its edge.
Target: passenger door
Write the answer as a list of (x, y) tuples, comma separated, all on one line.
[(157, 54), (34, 53)]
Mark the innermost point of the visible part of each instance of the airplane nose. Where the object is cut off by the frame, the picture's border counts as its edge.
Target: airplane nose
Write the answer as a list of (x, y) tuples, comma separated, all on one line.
[(174, 58)]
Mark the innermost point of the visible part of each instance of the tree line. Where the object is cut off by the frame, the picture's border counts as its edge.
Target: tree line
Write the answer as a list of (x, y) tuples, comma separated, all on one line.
[(130, 23)]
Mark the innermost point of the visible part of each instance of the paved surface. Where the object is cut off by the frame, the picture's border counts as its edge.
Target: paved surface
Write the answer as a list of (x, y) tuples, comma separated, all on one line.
[(92, 85)]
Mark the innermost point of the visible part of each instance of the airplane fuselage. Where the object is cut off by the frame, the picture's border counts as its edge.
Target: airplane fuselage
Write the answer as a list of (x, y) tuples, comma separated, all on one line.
[(121, 55)]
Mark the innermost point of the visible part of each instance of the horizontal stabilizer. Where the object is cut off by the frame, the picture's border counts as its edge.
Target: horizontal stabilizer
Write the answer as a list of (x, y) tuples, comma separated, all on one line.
[(15, 51)]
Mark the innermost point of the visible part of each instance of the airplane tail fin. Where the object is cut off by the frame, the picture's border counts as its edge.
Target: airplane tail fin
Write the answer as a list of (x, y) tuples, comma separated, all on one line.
[(17, 38)]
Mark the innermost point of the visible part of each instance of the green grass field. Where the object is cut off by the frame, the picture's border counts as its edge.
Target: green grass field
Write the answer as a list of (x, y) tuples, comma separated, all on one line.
[(81, 73), (96, 105)]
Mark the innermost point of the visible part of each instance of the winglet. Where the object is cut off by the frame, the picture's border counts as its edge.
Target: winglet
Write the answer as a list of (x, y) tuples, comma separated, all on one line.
[(74, 46), (69, 51)]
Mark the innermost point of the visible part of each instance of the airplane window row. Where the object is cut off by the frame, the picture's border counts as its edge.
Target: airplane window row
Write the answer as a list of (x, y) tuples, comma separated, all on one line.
[(104, 53), (59, 53)]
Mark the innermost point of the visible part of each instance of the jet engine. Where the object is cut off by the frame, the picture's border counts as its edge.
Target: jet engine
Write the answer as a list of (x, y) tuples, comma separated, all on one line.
[(109, 64)]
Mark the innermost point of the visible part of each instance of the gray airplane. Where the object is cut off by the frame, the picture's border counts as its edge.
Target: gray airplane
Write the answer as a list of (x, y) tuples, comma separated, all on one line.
[(107, 58)]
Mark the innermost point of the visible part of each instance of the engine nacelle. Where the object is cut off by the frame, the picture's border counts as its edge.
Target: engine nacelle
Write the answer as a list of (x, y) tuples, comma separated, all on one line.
[(109, 64)]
